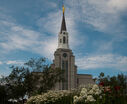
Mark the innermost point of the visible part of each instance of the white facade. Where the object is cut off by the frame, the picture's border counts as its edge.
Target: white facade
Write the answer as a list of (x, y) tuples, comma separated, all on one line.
[(63, 40)]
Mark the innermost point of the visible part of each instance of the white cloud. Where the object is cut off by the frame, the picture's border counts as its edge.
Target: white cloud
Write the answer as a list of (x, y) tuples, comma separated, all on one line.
[(109, 6), (44, 42), (105, 16), (52, 24), (117, 5), (17, 37), (1, 62), (14, 62), (102, 61), (14, 37), (25, 39), (102, 15)]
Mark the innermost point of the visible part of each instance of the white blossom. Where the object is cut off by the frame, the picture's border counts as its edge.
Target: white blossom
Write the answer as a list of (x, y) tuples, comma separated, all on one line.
[(90, 98), (75, 99), (87, 92), (83, 92)]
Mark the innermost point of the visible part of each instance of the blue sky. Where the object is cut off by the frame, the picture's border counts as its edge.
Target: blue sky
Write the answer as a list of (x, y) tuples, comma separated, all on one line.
[(97, 33)]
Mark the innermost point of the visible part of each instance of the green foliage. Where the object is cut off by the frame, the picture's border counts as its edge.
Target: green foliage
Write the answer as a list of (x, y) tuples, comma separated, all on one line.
[(115, 88), (3, 94), (111, 91), (34, 77), (43, 75), (14, 83), (36, 65), (54, 75), (114, 82)]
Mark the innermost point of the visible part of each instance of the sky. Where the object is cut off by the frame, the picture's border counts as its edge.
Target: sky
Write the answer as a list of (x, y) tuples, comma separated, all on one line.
[(97, 33)]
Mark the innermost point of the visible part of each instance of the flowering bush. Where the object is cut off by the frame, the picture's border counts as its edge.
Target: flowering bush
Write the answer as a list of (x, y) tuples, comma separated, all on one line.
[(89, 93), (113, 94), (52, 97)]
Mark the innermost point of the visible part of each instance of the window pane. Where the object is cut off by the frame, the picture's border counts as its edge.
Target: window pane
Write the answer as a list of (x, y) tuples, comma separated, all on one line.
[(64, 39)]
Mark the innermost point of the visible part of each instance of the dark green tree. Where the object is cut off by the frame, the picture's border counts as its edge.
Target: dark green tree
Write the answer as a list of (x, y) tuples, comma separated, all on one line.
[(117, 92), (33, 78), (15, 83), (43, 75), (119, 80), (3, 94)]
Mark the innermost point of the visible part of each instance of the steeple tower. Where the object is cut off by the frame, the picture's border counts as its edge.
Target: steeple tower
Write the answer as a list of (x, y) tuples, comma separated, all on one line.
[(63, 34), (65, 60), (63, 25)]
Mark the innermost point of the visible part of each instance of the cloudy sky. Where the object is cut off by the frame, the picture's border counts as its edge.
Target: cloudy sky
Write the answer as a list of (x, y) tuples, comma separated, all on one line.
[(97, 33)]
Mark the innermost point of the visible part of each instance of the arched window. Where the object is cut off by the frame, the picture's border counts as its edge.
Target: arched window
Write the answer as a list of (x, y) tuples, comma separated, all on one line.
[(60, 41), (64, 39)]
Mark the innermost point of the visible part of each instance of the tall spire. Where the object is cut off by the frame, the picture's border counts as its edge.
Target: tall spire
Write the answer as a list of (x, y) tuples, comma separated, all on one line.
[(63, 25), (63, 41)]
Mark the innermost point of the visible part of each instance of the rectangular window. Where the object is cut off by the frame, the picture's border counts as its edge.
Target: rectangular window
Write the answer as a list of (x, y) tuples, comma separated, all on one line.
[(65, 75)]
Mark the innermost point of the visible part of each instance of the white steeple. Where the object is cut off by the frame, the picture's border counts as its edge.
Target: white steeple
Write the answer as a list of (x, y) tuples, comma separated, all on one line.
[(63, 39)]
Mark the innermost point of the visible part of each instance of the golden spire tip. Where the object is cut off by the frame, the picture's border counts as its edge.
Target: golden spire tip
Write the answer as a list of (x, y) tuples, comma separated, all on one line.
[(63, 9)]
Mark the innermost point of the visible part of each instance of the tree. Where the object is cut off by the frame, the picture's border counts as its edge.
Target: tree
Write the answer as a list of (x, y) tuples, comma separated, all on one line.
[(3, 94), (115, 88), (34, 77), (15, 83), (118, 82), (47, 75)]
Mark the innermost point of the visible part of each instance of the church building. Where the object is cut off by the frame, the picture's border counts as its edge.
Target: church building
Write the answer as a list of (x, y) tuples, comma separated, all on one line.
[(65, 59)]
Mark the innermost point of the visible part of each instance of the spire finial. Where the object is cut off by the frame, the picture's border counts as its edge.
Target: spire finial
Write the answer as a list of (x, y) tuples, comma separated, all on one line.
[(63, 9), (63, 25)]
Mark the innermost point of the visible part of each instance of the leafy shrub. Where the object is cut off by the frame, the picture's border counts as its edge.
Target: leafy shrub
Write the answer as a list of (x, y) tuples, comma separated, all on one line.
[(52, 97), (94, 94)]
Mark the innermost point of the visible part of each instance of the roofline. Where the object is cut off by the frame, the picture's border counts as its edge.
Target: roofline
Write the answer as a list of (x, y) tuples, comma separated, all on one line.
[(85, 74)]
